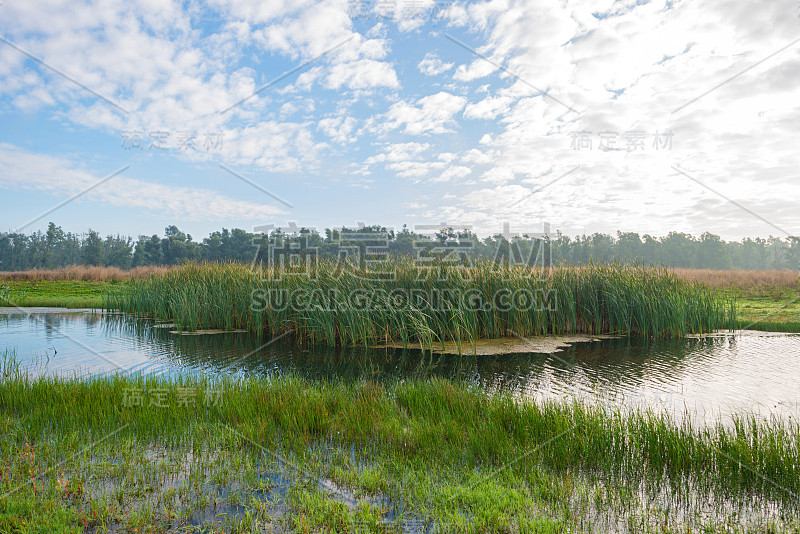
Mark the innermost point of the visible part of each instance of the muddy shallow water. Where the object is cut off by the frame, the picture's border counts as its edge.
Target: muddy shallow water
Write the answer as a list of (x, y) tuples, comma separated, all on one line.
[(708, 376)]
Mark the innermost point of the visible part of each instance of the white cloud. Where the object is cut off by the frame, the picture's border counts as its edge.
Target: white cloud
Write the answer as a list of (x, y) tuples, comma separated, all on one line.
[(478, 157), (152, 61), (20, 169), (488, 108), (477, 69), (362, 74), (430, 114), (452, 172), (431, 65), (415, 169), (399, 152), (407, 161), (338, 128), (275, 146), (628, 72), (498, 175)]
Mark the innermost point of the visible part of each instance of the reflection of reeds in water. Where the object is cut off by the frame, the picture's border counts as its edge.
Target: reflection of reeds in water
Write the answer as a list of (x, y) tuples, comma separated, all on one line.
[(233, 353), (346, 306)]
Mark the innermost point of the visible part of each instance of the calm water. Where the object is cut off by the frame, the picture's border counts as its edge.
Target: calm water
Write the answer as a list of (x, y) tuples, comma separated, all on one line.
[(710, 377)]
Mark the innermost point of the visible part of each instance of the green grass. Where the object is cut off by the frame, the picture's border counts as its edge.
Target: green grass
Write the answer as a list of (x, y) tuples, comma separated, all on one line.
[(768, 309), (351, 307), (58, 293), (81, 455)]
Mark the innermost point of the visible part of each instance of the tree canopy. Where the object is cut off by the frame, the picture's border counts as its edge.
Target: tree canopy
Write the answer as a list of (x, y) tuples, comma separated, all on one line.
[(55, 248)]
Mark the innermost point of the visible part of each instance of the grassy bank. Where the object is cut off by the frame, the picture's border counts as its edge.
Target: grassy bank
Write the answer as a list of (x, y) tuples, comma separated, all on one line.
[(766, 300), (774, 309), (345, 306), (251, 455), (68, 287), (768, 311), (55, 293)]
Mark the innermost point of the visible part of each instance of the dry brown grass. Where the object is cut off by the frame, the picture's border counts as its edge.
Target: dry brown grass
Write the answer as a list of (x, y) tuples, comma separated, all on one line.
[(82, 272), (741, 279), (709, 277)]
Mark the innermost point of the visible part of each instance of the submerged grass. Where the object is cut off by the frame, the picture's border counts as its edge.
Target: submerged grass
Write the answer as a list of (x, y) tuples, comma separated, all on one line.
[(364, 456), (335, 305)]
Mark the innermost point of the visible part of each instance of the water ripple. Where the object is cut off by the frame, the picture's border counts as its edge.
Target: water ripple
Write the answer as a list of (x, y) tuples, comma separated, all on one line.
[(708, 376)]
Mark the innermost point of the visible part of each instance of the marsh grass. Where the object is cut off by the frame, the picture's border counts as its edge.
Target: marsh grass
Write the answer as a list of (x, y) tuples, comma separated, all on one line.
[(348, 306), (86, 273), (59, 293), (745, 280), (438, 452), (5, 295)]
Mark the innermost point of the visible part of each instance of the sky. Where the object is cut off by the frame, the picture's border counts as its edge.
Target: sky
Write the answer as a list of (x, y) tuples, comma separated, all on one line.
[(587, 116)]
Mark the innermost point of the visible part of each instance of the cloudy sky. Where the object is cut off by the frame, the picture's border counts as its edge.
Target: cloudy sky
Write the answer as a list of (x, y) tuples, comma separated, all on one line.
[(127, 116)]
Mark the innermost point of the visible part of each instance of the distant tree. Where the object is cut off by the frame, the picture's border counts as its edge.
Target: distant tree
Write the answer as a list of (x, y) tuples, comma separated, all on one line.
[(602, 248), (117, 252), (148, 251), (92, 249), (55, 247), (55, 241), (176, 247), (712, 253), (212, 247), (628, 247), (793, 253), (237, 245), (678, 250)]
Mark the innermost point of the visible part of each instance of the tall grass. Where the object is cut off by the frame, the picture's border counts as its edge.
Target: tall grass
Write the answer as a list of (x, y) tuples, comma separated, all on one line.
[(95, 273), (741, 279), (423, 421), (351, 307)]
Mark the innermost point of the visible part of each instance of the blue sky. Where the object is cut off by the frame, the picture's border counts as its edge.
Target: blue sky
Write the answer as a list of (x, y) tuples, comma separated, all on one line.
[(589, 116)]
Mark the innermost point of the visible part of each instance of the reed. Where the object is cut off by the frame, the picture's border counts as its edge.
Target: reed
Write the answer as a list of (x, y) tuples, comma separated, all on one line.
[(335, 306), (411, 424), (741, 279), (94, 273)]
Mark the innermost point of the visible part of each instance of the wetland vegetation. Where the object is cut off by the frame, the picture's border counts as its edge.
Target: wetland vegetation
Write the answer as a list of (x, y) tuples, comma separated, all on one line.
[(247, 454), (765, 300), (342, 306)]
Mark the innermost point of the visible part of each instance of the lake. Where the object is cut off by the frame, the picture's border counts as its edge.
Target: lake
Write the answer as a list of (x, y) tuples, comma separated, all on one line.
[(709, 377)]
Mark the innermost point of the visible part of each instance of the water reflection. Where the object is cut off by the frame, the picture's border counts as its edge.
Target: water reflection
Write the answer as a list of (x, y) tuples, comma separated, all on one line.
[(708, 377)]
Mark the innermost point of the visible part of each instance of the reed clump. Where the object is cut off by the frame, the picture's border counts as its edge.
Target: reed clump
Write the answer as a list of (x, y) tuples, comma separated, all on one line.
[(396, 300)]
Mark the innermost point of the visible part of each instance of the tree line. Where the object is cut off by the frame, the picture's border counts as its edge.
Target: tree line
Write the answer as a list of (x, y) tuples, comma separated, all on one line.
[(55, 248)]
